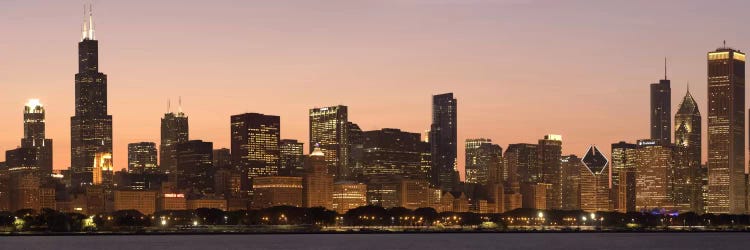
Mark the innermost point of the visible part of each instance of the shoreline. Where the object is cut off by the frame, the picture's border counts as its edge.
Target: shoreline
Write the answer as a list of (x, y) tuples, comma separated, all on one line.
[(372, 232)]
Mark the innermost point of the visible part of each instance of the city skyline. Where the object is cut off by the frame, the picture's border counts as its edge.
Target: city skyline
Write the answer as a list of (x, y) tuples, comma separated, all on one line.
[(499, 121)]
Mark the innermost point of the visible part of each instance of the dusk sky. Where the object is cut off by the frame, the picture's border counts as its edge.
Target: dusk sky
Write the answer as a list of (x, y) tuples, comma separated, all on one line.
[(520, 69)]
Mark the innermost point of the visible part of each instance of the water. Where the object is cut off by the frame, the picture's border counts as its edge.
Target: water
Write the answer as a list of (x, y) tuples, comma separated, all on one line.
[(389, 241)]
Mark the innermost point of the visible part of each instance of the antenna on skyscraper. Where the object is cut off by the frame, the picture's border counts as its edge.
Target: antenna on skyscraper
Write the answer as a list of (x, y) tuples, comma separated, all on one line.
[(169, 105), (180, 104), (665, 68)]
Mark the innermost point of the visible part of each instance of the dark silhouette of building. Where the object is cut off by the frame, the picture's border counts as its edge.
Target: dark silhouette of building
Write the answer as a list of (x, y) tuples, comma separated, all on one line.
[(329, 131), (222, 158), (255, 144), (22, 160), (443, 140), (292, 157), (726, 131), (174, 130), (521, 163), (661, 109), (355, 153), (91, 127), (195, 166), (688, 142), (34, 135), (391, 152), (142, 157)]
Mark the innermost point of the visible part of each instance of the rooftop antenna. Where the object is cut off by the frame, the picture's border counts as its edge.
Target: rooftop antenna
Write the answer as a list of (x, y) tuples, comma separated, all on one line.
[(180, 104), (725, 44), (169, 105), (665, 68)]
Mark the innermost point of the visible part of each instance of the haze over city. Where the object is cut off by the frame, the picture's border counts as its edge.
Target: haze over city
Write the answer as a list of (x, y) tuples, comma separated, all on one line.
[(519, 69)]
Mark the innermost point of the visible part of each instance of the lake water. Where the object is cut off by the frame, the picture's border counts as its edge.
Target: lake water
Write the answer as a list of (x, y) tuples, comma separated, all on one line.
[(389, 241)]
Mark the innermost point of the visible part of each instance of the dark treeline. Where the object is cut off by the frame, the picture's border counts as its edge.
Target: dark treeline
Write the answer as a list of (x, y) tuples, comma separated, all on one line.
[(48, 220)]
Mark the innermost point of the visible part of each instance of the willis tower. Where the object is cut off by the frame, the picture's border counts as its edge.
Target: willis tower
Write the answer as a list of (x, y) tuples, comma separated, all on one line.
[(91, 127)]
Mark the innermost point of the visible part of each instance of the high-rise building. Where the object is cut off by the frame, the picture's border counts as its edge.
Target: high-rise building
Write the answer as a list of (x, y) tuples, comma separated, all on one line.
[(142, 157), (521, 164), (329, 131), (481, 154), (22, 160), (391, 152), (688, 142), (661, 109), (194, 166), (355, 140), (549, 151), (726, 131), (444, 141), (222, 158), (594, 182), (34, 135), (174, 130), (622, 175), (317, 183), (91, 126), (255, 144), (571, 176), (291, 153), (654, 173)]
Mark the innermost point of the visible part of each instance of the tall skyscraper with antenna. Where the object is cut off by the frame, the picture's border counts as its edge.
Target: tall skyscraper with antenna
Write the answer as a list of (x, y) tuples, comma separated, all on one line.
[(91, 126), (661, 109), (174, 130)]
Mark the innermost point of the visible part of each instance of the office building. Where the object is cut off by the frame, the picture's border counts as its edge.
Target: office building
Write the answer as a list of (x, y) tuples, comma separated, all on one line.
[(329, 131)]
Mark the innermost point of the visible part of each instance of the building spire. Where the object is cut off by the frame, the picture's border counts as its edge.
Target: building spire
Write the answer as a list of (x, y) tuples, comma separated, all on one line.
[(169, 105), (665, 68), (180, 104), (87, 33)]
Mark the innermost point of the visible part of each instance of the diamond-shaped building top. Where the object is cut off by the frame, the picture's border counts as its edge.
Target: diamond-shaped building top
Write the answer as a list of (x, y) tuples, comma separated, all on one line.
[(594, 160)]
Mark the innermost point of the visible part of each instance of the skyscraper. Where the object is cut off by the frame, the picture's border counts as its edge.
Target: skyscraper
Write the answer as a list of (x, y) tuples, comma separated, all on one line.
[(654, 176), (34, 135), (594, 182), (622, 176), (571, 176), (391, 152), (195, 166), (355, 140), (91, 127), (726, 131), (444, 141), (141, 157), (291, 153), (521, 163), (174, 130), (483, 157), (661, 109), (549, 152), (687, 137), (329, 131), (255, 144)]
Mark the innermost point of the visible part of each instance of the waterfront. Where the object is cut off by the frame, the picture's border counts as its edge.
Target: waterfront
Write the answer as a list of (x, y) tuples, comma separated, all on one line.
[(388, 241)]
